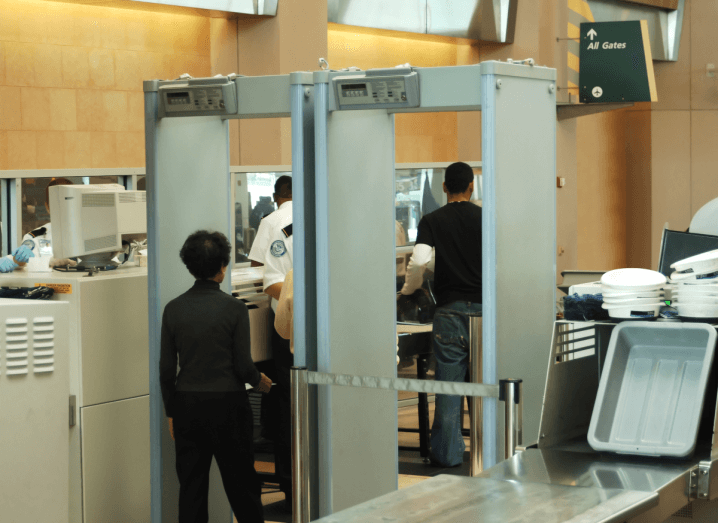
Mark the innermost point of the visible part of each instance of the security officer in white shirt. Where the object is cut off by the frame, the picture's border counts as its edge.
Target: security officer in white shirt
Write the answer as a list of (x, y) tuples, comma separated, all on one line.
[(279, 256), (272, 403), (275, 238), (37, 243), (283, 198)]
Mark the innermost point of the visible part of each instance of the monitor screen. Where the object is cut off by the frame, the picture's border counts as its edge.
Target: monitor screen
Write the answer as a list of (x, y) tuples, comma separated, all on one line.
[(679, 245)]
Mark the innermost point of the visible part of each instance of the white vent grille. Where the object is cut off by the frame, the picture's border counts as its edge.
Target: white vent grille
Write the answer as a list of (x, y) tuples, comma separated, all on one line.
[(102, 243), (43, 345), (16, 346), (98, 200), (133, 197)]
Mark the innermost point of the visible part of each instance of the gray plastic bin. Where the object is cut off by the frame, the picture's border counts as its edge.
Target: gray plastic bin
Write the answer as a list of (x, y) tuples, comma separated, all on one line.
[(650, 396)]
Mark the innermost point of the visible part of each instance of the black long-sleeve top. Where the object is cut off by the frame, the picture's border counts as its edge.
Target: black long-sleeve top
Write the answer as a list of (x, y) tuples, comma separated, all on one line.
[(208, 330)]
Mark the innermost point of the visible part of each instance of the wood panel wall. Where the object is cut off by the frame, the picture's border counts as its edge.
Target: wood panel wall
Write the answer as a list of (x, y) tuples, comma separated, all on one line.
[(601, 191), (683, 130), (71, 97)]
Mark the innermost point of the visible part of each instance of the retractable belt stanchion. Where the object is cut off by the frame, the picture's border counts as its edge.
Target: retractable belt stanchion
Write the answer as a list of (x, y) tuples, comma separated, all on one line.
[(508, 391), (300, 445), (476, 418), (513, 433)]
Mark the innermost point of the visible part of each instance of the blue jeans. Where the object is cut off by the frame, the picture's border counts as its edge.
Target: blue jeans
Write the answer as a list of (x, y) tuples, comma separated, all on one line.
[(451, 350)]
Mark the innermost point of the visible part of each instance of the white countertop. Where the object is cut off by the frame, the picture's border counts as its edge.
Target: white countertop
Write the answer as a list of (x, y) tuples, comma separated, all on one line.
[(247, 276), (124, 271)]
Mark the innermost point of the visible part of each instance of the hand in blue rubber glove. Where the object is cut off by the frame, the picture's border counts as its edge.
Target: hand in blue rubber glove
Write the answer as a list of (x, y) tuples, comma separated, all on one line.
[(7, 265), (22, 254)]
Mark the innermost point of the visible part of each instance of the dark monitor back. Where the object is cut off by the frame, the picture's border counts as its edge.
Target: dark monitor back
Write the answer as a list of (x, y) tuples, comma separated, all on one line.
[(678, 245)]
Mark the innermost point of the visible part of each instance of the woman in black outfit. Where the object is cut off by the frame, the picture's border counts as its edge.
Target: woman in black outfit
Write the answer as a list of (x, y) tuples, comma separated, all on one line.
[(206, 402)]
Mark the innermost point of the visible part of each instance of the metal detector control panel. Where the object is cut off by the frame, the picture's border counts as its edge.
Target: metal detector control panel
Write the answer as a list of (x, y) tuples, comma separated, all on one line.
[(200, 97), (377, 90)]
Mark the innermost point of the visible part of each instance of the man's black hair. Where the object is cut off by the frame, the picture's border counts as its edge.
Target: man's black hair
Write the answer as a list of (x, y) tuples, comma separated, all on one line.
[(457, 178), (283, 186), (205, 253)]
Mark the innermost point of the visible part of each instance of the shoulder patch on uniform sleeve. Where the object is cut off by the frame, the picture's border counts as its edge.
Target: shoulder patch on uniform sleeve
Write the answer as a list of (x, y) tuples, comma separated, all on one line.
[(287, 230), (38, 232), (278, 249)]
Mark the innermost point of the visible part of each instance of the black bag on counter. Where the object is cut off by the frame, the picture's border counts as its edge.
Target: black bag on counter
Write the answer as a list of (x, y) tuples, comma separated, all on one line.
[(584, 308), (417, 308), (27, 293)]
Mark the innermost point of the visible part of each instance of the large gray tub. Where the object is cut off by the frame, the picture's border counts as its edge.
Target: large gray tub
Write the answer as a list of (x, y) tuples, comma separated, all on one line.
[(651, 392)]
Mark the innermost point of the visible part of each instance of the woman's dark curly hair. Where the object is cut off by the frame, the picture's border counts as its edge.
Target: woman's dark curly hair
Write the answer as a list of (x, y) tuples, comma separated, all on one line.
[(205, 253)]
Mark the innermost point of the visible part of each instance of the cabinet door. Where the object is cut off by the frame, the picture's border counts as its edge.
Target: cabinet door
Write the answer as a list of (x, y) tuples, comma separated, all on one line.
[(34, 420), (116, 461), (115, 346)]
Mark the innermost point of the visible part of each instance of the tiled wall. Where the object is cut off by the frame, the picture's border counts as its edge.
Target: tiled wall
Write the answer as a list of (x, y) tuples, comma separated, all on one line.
[(71, 79)]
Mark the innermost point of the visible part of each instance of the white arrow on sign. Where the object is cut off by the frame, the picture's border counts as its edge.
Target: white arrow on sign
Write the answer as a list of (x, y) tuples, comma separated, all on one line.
[(592, 33)]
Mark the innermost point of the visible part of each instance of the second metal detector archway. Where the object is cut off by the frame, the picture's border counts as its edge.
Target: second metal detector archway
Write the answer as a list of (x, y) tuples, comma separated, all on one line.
[(355, 250)]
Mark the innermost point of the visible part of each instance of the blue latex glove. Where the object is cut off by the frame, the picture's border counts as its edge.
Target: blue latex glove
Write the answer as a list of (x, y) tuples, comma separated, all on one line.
[(7, 265), (23, 253)]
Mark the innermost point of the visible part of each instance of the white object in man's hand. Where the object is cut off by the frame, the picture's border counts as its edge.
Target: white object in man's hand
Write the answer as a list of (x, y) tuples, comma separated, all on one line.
[(415, 269)]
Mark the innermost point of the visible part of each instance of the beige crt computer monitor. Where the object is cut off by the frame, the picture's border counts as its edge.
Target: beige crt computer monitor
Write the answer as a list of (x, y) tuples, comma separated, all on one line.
[(90, 221)]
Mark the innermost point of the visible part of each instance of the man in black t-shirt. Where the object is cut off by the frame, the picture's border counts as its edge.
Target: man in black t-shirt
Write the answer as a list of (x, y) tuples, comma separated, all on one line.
[(454, 232)]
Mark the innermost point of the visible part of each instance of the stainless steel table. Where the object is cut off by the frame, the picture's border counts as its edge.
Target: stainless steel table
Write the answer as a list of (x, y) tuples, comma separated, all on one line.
[(459, 499), (589, 469), (582, 467)]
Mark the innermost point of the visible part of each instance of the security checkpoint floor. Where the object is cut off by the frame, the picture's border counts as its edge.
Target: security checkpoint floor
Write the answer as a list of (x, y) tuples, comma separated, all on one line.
[(412, 469)]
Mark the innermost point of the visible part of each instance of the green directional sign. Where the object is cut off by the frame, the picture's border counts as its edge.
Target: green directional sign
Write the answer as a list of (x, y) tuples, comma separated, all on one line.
[(616, 63)]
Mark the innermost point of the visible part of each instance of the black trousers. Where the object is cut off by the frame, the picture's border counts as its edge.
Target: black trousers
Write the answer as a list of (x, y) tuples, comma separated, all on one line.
[(283, 361), (219, 425)]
